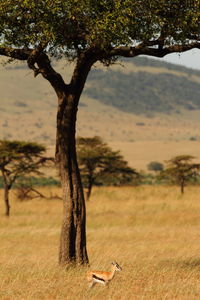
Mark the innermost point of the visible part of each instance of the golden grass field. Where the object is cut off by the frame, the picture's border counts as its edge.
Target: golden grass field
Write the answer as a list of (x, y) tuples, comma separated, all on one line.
[(152, 232)]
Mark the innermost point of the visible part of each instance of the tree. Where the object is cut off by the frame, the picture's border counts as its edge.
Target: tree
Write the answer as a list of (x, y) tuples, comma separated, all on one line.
[(88, 31), (155, 166), (17, 159), (99, 164), (180, 170)]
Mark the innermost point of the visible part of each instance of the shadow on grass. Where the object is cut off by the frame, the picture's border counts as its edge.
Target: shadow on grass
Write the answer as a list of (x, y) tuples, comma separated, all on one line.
[(189, 263)]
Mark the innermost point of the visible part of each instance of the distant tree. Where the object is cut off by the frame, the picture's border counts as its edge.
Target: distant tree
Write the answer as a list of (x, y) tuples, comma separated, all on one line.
[(155, 166), (100, 164), (18, 158), (180, 170)]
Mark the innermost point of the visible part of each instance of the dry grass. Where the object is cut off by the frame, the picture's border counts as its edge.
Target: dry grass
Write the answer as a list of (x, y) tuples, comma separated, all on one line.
[(152, 232)]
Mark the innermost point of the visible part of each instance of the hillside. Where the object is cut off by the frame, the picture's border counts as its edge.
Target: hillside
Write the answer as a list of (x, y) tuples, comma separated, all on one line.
[(145, 92), (146, 108)]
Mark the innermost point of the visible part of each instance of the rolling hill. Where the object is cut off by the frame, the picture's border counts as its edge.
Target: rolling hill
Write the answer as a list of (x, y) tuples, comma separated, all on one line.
[(146, 108), (144, 92)]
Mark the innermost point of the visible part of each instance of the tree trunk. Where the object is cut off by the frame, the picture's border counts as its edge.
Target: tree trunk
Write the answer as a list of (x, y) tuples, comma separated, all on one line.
[(89, 189), (73, 232), (182, 187), (6, 200), (88, 193)]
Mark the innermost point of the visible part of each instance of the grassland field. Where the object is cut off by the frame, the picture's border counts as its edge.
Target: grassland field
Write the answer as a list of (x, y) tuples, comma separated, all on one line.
[(152, 232)]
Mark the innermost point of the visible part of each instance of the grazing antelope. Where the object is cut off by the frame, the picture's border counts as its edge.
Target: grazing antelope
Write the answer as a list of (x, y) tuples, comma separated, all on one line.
[(102, 277)]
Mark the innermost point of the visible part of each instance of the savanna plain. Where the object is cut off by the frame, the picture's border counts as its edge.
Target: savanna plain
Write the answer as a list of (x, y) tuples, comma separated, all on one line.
[(151, 231)]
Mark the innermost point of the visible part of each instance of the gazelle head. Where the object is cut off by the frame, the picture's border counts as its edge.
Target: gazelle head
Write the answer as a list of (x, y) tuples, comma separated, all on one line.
[(117, 267)]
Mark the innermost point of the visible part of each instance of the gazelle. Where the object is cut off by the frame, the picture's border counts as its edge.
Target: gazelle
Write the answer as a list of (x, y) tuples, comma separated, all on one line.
[(104, 278)]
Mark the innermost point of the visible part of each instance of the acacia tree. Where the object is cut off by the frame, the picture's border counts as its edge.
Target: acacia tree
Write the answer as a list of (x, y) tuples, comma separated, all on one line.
[(99, 164), (88, 31), (18, 158), (180, 170)]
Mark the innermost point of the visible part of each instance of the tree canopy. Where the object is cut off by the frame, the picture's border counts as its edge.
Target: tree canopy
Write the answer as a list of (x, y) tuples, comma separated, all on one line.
[(99, 164), (114, 27)]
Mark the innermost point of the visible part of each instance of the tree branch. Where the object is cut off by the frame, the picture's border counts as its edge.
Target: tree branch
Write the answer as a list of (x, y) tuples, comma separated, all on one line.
[(48, 72), (82, 68), (33, 57), (157, 52), (20, 54)]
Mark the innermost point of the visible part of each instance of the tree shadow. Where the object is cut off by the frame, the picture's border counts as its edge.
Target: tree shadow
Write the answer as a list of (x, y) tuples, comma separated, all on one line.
[(189, 263)]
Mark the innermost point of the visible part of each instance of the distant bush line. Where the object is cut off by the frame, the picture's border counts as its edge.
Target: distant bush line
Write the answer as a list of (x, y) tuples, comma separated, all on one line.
[(146, 179), (36, 181)]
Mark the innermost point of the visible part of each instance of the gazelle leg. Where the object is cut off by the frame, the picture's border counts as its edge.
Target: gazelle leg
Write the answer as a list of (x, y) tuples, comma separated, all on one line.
[(91, 284), (106, 283)]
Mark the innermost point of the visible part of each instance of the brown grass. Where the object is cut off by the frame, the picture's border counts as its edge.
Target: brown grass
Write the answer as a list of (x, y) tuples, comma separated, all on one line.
[(152, 232)]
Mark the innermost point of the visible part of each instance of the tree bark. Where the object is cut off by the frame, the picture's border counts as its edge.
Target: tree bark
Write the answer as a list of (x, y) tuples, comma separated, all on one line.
[(73, 232)]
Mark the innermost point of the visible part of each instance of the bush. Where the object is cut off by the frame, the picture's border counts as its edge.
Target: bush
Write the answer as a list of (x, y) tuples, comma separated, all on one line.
[(34, 181), (155, 166)]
